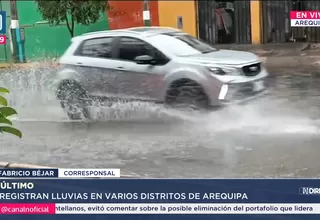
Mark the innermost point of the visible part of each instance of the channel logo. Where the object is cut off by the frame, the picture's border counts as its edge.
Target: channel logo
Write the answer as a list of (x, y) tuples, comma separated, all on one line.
[(3, 23), (309, 191), (3, 39)]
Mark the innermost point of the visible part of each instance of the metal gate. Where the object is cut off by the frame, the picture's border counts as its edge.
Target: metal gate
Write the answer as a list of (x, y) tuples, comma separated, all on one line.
[(312, 33), (242, 22), (276, 22), (224, 21), (206, 21)]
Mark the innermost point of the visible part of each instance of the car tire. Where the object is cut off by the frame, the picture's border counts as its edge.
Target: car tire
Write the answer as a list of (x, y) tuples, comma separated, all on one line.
[(188, 96), (74, 100)]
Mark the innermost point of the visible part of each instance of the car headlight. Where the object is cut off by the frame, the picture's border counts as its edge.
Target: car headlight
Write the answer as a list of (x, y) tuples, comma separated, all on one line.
[(217, 71), (224, 71)]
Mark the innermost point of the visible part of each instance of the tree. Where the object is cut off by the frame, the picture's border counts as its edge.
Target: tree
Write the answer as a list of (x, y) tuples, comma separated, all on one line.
[(5, 112), (71, 11)]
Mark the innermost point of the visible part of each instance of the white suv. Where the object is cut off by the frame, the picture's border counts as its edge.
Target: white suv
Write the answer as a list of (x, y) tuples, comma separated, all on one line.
[(155, 64)]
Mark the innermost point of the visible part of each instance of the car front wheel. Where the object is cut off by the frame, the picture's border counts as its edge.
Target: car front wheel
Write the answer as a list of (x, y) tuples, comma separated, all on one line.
[(74, 100), (188, 96)]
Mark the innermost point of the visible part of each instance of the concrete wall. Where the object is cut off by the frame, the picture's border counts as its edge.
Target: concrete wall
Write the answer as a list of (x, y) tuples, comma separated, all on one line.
[(126, 14), (170, 10), (44, 41)]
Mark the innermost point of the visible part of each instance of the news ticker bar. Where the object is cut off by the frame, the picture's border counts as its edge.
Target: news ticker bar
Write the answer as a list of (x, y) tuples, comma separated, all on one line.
[(160, 208), (59, 173)]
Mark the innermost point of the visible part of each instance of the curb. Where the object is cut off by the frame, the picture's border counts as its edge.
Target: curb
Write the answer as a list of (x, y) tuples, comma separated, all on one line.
[(291, 61), (22, 166), (28, 65), (33, 166), (4, 65), (269, 48)]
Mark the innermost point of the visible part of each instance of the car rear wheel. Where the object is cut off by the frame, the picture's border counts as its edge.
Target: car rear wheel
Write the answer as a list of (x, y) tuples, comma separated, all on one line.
[(74, 100), (189, 95)]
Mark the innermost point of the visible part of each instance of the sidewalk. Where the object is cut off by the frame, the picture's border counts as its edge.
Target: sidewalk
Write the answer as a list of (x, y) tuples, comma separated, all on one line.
[(288, 49), (29, 65), (282, 55)]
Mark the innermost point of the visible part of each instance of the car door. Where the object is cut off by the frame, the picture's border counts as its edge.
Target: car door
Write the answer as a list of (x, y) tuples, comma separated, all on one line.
[(137, 81), (94, 58)]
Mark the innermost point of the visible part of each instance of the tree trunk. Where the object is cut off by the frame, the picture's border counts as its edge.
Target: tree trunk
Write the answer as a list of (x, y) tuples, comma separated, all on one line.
[(70, 28)]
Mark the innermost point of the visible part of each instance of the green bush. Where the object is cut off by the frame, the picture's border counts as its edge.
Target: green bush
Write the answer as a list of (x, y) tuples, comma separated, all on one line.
[(6, 112)]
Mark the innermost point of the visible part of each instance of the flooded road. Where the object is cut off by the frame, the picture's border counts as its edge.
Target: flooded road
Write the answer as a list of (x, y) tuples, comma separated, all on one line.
[(276, 136)]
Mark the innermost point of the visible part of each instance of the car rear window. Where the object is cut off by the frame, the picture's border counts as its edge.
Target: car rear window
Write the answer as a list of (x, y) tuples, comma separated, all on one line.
[(97, 47)]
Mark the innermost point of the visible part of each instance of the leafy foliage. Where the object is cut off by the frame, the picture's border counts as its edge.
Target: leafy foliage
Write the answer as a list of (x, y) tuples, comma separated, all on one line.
[(71, 11), (5, 112)]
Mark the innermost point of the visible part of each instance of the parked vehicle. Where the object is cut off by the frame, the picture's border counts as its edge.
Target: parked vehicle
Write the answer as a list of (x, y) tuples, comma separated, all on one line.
[(156, 64)]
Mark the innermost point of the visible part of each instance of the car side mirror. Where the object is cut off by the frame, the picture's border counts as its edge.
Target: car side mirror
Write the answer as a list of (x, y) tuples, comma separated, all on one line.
[(144, 59)]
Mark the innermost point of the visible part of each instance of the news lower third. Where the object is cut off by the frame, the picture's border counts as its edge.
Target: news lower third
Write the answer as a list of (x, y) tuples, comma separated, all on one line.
[(134, 208), (59, 173), (135, 202), (102, 192)]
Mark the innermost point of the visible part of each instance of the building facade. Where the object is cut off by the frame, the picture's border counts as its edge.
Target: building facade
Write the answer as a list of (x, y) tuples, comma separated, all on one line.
[(241, 21), (276, 22), (217, 22)]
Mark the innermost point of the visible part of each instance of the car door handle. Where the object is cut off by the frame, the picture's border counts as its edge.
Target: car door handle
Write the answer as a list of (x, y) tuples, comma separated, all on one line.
[(79, 64)]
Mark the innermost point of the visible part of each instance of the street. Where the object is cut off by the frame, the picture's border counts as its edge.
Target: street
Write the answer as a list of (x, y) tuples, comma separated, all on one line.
[(276, 136)]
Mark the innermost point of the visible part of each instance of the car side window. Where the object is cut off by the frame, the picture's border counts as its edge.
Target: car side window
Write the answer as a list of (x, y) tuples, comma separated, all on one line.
[(130, 48), (98, 48)]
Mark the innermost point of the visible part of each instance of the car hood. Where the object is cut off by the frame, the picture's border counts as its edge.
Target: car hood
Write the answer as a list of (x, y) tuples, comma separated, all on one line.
[(223, 57)]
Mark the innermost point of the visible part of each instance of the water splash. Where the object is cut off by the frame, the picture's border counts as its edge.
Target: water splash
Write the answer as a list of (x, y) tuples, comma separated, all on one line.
[(31, 92), (32, 95), (266, 116)]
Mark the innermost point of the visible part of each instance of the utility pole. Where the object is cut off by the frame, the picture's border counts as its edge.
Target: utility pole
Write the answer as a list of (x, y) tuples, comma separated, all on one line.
[(14, 25), (17, 40), (146, 13)]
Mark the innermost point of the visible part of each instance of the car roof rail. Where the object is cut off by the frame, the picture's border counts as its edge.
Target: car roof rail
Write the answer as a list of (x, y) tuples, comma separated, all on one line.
[(110, 31), (94, 32)]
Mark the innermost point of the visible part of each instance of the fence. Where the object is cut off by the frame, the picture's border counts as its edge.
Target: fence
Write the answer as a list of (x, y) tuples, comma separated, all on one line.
[(276, 22), (224, 22)]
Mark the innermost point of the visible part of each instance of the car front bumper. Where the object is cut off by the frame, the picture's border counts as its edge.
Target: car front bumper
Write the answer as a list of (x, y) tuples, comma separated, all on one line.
[(235, 93), (245, 99)]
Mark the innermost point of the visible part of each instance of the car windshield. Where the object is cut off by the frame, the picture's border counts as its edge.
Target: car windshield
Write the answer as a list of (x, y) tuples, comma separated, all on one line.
[(181, 44)]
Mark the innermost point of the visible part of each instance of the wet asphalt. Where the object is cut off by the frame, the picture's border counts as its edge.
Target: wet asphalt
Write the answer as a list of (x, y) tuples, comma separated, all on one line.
[(275, 136)]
